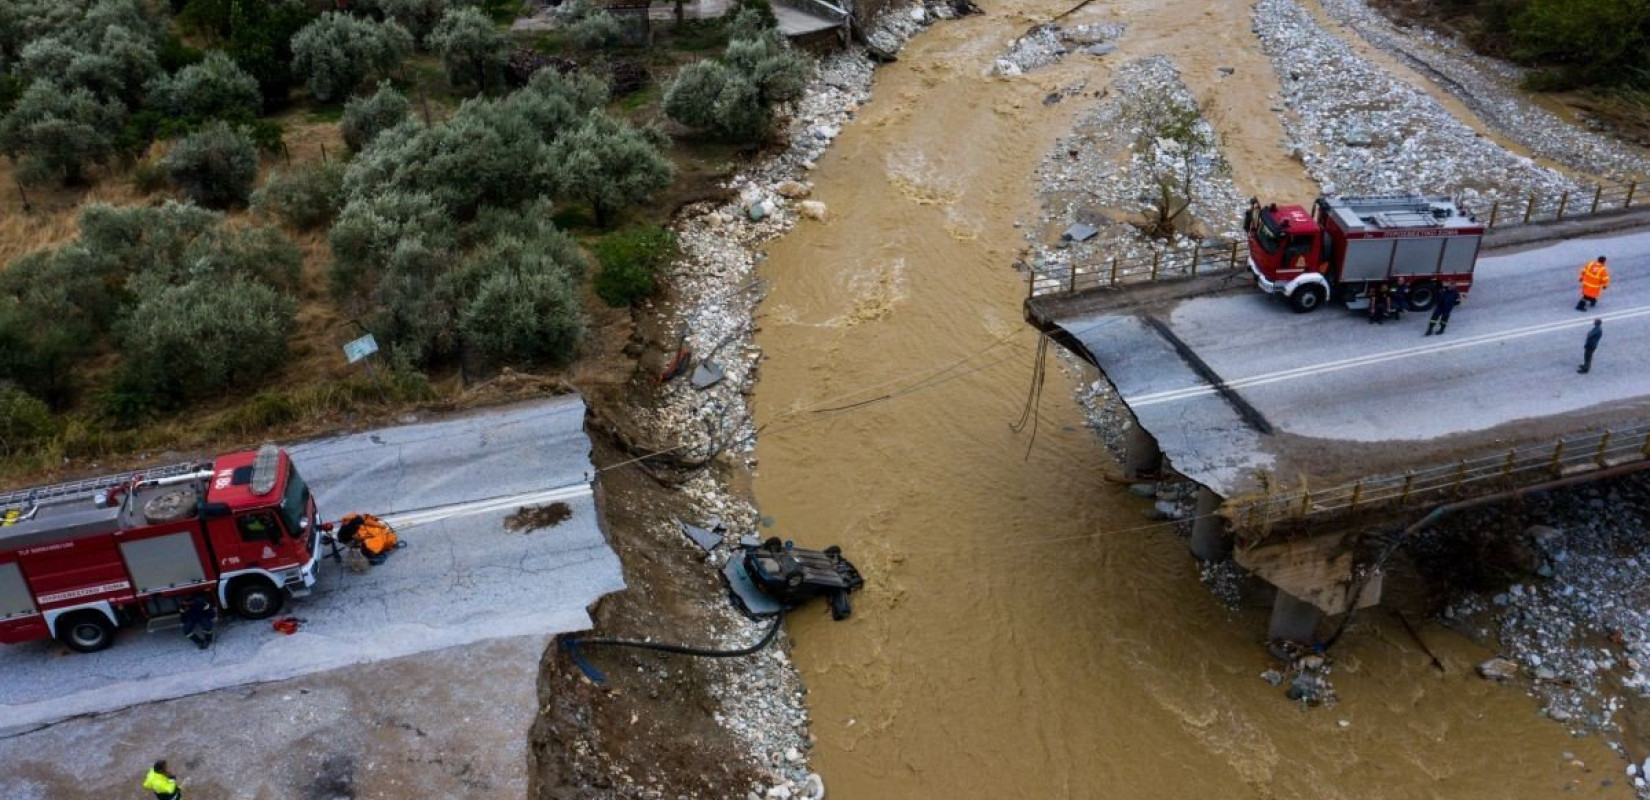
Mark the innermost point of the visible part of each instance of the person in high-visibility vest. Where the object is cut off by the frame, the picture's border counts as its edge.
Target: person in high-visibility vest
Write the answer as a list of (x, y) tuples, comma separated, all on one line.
[(162, 782), (1595, 278)]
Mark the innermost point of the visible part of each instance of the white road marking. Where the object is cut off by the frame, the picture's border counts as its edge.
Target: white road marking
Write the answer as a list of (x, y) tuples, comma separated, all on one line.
[(426, 516), (1170, 395)]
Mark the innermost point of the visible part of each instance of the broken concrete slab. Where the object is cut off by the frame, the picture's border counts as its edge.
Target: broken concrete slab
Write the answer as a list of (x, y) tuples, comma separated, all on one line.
[(707, 537), (706, 375), (1080, 232)]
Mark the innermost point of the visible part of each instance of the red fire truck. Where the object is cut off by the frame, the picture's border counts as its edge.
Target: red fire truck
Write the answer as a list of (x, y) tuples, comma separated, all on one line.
[(1349, 247), (78, 560)]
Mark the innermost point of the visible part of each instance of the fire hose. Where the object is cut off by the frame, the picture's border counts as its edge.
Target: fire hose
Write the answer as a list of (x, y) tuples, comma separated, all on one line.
[(572, 645)]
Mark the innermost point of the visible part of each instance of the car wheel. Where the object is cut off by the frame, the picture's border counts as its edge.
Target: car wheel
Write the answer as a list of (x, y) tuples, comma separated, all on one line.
[(256, 598), (1307, 298), (85, 631)]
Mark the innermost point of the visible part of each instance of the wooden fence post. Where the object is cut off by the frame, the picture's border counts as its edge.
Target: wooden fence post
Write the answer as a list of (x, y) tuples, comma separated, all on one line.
[(1563, 202), (1495, 208), (1197, 252), (1598, 192), (1409, 484), (1114, 270), (1306, 503), (1645, 448), (1157, 257), (1631, 187), (1357, 493), (1529, 208), (1558, 456), (1460, 477), (1232, 263), (1073, 283), (1603, 445), (1512, 455)]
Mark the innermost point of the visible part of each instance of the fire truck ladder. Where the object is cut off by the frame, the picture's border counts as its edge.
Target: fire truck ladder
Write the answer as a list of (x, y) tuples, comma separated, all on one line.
[(1406, 219), (22, 503)]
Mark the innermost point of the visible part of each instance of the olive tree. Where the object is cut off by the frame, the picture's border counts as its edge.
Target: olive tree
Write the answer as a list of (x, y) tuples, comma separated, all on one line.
[(24, 419), (524, 316), (215, 166), (215, 88), (305, 197), (419, 17), (365, 118), (735, 97), (598, 30), (369, 230), (472, 48), (336, 52), (609, 164), (204, 336), (56, 131)]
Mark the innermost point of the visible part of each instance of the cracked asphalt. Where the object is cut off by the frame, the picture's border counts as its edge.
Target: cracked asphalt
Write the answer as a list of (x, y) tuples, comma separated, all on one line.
[(463, 578)]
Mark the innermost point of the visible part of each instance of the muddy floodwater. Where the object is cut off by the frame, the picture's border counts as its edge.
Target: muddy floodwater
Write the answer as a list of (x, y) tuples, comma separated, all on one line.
[(1025, 631)]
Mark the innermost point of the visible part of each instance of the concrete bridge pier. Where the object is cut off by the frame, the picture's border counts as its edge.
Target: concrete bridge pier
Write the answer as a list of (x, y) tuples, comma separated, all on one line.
[(1209, 539), (1141, 456), (1293, 619)]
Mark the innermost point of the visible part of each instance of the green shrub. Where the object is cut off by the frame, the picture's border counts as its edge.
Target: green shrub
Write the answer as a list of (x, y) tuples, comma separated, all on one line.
[(734, 98), (148, 177), (472, 49), (610, 164), (336, 52), (215, 88), (523, 317), (24, 420), (365, 118), (181, 341), (630, 263), (215, 166), (304, 198), (260, 40), (57, 132), (597, 31), (369, 230), (419, 17)]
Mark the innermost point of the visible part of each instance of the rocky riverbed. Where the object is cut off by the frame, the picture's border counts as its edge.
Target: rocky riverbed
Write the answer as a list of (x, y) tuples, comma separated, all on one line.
[(1490, 88), (1361, 130)]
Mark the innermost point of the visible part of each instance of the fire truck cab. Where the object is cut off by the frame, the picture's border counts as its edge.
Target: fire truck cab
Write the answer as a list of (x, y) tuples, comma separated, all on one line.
[(79, 560), (1350, 247)]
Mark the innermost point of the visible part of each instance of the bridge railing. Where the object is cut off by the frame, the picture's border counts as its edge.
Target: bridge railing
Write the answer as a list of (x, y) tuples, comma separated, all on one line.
[(1254, 516), (1219, 255)]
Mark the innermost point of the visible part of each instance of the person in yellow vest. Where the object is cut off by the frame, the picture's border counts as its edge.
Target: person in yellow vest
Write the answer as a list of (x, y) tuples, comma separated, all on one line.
[(1595, 278), (162, 782)]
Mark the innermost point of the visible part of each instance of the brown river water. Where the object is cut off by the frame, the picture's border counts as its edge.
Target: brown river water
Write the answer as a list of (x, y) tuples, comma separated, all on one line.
[(1025, 633)]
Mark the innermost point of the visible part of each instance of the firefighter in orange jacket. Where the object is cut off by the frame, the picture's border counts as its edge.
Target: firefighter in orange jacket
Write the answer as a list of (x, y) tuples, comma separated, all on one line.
[(1595, 278)]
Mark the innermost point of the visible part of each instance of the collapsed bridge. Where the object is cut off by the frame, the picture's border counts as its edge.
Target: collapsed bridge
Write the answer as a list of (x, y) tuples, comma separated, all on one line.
[(1303, 429)]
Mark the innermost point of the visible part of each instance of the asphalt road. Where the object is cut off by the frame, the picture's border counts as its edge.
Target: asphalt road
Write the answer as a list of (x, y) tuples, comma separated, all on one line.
[(447, 486), (1273, 384)]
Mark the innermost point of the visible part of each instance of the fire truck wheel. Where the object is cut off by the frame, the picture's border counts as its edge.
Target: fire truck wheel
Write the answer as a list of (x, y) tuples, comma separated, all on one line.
[(85, 631), (256, 598), (1307, 298), (1422, 296)]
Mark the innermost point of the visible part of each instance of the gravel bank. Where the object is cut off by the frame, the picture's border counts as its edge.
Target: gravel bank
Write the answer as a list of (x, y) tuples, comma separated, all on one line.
[(1490, 88), (716, 293), (1364, 131), (1145, 131)]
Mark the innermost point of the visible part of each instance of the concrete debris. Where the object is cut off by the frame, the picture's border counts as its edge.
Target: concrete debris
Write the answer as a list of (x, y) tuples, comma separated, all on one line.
[(706, 375), (708, 537), (792, 190), (1080, 232)]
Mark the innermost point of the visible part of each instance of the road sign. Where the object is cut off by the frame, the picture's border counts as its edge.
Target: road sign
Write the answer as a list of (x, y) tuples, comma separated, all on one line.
[(360, 348)]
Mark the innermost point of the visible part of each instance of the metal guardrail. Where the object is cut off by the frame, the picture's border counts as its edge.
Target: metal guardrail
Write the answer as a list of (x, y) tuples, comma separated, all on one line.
[(818, 8), (1219, 255), (1568, 455)]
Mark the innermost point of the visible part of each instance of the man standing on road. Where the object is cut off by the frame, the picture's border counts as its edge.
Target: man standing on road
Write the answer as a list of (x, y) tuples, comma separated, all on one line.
[(1448, 299), (162, 782), (1595, 278), (1593, 336)]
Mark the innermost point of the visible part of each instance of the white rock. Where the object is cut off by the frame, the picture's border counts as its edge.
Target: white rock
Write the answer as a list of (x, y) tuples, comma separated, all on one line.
[(794, 190), (918, 15), (812, 209)]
